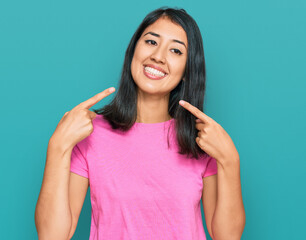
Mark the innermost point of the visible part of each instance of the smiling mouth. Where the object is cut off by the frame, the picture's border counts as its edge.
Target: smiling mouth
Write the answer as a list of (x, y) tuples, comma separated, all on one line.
[(153, 73)]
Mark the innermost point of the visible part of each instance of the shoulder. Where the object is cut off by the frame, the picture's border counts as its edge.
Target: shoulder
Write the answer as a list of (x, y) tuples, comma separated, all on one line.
[(211, 167), (100, 124), (98, 135), (102, 128), (100, 121)]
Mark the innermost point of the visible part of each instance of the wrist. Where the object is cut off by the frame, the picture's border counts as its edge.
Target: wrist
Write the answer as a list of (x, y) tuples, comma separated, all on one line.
[(228, 163), (59, 146)]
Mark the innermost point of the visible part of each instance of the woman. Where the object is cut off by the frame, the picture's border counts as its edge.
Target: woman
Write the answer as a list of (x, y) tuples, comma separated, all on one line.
[(147, 156)]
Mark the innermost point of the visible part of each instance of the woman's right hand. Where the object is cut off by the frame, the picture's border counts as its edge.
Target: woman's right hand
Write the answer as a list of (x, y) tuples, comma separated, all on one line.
[(76, 124)]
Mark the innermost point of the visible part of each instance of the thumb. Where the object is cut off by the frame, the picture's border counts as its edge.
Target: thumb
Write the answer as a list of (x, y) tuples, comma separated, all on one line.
[(92, 115)]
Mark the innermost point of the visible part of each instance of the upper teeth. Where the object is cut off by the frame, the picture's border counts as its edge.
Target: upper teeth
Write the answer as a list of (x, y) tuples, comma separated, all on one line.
[(154, 71)]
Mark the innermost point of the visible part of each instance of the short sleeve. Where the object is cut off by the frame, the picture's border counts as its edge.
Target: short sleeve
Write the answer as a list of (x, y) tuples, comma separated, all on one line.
[(211, 167), (78, 162)]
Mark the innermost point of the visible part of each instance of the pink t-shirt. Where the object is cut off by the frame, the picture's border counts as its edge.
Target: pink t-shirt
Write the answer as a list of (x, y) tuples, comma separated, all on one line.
[(140, 189)]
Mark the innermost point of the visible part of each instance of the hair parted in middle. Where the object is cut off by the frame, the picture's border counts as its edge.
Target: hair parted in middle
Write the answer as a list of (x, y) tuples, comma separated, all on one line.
[(121, 112)]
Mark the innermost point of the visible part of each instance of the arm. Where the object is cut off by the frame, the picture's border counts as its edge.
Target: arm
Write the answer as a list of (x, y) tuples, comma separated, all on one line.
[(59, 205), (209, 200), (62, 194), (228, 220), (229, 217), (52, 214)]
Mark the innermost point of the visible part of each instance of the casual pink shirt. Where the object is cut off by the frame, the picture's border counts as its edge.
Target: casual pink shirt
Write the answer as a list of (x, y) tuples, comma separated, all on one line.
[(140, 189)]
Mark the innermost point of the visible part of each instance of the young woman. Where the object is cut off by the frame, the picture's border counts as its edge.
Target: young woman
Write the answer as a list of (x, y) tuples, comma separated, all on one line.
[(148, 157)]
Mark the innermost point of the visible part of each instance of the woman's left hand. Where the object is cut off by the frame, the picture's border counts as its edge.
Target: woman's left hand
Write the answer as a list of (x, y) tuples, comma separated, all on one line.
[(212, 138)]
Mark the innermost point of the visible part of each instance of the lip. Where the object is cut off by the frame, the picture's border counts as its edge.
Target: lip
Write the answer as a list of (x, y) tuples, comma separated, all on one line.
[(153, 77)]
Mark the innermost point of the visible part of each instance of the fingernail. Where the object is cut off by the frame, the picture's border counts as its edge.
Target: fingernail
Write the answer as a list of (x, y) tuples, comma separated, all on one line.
[(181, 102), (112, 89)]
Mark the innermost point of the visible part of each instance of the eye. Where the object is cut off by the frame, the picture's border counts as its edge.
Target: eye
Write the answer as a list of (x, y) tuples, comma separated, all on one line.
[(150, 42), (177, 51)]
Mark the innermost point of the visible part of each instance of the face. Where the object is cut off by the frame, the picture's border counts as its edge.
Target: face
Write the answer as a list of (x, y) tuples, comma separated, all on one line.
[(160, 57)]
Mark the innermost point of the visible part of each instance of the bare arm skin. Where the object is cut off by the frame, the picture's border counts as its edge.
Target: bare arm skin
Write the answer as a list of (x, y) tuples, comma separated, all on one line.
[(228, 219), (222, 204), (78, 187), (209, 200), (62, 193), (52, 214)]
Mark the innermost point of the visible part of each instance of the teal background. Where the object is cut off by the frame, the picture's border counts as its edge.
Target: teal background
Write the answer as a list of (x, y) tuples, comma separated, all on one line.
[(55, 54)]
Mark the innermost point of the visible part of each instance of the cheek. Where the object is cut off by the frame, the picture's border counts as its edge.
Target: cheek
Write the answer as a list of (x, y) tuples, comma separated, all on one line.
[(136, 67), (137, 59), (133, 67), (179, 67), (134, 59), (139, 52)]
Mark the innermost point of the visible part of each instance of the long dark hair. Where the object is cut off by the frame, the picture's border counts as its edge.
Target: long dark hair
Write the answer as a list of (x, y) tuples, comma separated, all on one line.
[(122, 111)]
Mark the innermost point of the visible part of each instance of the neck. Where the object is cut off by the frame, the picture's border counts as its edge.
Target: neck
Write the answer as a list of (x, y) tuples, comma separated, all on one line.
[(152, 109)]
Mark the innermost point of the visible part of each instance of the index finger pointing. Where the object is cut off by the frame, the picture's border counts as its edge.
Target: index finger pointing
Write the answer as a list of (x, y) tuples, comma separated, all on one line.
[(95, 99), (195, 111)]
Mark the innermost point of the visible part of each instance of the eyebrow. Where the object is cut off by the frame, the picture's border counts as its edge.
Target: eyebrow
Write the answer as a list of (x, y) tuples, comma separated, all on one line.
[(174, 40)]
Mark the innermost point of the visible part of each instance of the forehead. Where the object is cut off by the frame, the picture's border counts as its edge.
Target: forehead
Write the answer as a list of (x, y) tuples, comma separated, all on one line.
[(167, 29)]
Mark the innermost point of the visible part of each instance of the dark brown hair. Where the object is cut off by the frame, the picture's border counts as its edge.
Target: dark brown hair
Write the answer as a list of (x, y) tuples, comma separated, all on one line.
[(122, 111)]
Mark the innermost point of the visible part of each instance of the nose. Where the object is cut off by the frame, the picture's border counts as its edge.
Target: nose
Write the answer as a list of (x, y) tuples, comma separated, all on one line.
[(159, 55)]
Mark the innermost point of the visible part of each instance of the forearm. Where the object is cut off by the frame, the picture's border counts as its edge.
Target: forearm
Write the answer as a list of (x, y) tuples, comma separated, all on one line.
[(229, 217), (52, 213)]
